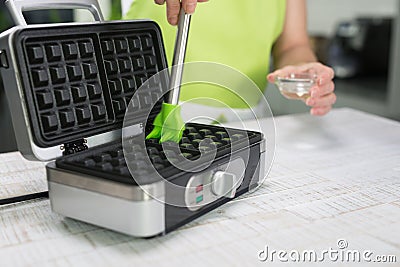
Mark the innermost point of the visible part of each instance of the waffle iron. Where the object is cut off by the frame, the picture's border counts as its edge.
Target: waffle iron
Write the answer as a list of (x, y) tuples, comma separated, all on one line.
[(68, 87)]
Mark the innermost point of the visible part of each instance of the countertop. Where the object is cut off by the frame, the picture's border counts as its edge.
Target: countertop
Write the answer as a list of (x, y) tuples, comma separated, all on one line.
[(334, 184)]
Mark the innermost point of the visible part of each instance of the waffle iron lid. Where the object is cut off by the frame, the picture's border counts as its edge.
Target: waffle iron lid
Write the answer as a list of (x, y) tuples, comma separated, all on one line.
[(78, 79)]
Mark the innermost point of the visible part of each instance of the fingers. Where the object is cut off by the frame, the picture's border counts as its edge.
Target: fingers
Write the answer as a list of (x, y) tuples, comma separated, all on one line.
[(189, 6), (173, 8), (327, 100), (321, 105), (282, 72), (322, 90), (322, 98), (324, 73), (320, 111)]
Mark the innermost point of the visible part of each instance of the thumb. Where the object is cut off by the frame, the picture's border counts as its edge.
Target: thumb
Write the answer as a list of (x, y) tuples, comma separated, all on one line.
[(271, 77)]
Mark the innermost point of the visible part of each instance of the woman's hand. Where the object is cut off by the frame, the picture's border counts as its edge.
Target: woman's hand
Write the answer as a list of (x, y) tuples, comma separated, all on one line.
[(322, 94), (174, 6)]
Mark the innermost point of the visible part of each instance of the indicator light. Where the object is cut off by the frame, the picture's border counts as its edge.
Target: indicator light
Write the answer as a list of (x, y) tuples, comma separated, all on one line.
[(199, 188), (199, 199)]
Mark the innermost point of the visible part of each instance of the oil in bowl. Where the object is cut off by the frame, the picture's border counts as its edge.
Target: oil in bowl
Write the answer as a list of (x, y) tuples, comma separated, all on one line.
[(296, 86)]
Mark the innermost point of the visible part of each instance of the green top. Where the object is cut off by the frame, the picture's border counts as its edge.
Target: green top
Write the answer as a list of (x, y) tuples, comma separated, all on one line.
[(236, 33)]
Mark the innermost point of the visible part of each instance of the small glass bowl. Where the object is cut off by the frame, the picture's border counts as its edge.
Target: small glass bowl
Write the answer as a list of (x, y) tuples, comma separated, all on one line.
[(296, 85)]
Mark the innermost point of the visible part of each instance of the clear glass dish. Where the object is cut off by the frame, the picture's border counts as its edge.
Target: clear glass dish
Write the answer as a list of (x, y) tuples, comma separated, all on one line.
[(296, 85)]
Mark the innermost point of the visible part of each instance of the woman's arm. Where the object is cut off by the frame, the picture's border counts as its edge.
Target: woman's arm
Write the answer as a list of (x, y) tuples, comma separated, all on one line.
[(292, 53), (293, 46)]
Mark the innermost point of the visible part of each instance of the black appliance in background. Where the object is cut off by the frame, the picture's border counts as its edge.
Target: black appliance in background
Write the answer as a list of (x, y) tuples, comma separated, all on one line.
[(7, 135), (361, 48)]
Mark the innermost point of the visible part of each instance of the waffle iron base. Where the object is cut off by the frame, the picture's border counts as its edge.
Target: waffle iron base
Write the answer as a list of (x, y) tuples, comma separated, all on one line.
[(95, 186)]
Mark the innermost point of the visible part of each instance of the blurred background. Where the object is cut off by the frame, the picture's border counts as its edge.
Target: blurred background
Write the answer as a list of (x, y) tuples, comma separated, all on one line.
[(360, 39)]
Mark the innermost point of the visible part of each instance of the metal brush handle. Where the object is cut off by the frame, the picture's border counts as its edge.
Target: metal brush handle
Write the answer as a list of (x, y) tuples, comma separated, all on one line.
[(16, 7), (179, 57)]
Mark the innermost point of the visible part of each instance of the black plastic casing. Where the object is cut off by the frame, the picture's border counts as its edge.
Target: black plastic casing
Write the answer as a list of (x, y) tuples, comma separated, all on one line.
[(22, 69)]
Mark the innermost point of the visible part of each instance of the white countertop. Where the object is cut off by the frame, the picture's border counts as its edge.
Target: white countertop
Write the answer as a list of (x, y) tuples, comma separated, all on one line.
[(335, 177)]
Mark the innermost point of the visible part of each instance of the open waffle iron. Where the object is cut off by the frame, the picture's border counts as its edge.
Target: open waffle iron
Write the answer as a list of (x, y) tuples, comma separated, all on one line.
[(68, 87)]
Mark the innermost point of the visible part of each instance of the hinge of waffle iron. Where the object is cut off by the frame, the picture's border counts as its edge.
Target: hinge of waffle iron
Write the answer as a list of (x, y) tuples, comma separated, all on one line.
[(74, 147)]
